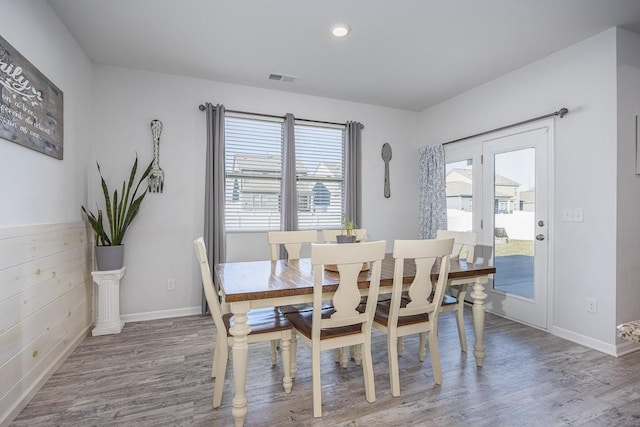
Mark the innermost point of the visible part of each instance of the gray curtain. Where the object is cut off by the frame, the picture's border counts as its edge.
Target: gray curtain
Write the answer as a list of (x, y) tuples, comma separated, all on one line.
[(214, 234), (289, 210), (289, 198), (353, 172), (432, 197)]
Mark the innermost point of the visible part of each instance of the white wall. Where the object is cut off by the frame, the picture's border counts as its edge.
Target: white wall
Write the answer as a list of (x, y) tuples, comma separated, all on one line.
[(159, 243), (582, 78), (37, 188), (107, 117), (628, 186), (45, 286)]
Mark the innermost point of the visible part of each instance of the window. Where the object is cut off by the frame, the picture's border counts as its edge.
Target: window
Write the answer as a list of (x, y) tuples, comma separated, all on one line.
[(320, 176), (253, 174), (253, 166), (459, 182)]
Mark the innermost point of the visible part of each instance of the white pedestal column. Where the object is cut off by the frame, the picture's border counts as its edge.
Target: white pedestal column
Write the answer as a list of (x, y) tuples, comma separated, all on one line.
[(108, 302)]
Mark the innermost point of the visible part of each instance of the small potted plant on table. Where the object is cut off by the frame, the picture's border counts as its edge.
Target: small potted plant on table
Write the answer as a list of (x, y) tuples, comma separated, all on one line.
[(348, 235)]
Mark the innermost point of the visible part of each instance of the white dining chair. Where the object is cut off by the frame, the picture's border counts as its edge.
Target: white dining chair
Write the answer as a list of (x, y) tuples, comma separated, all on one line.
[(293, 242), (341, 355), (342, 324), (266, 325), (416, 312), (464, 244)]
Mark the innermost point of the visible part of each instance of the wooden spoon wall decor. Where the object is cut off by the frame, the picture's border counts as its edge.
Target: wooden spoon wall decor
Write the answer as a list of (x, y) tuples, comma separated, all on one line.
[(386, 156)]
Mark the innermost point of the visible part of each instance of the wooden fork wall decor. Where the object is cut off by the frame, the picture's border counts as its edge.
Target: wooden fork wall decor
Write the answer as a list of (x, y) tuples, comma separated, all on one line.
[(156, 176)]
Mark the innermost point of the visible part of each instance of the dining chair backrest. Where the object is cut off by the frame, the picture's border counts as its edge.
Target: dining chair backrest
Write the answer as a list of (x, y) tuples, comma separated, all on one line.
[(465, 241), (426, 254), (291, 240), (207, 284), (329, 236), (415, 312), (348, 259)]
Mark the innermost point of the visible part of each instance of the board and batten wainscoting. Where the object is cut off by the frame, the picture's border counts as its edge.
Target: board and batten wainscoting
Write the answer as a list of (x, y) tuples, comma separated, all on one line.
[(46, 306)]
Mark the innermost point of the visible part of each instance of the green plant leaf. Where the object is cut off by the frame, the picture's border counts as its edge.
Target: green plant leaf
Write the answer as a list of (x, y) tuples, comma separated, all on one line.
[(121, 209), (348, 225)]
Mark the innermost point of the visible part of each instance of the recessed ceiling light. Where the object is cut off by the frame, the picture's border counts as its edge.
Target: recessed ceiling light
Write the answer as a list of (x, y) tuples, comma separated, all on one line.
[(340, 30)]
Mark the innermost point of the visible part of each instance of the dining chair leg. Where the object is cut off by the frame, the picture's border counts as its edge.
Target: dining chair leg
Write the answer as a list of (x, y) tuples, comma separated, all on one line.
[(422, 349), (294, 353), (344, 357), (400, 346), (220, 374), (394, 374), (337, 354), (274, 352), (357, 354), (219, 348), (435, 358), (317, 385), (461, 332), (214, 364), (367, 368), (285, 344), (460, 318)]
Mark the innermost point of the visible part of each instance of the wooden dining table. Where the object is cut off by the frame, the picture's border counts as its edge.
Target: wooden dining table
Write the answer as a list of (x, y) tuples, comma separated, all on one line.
[(255, 284)]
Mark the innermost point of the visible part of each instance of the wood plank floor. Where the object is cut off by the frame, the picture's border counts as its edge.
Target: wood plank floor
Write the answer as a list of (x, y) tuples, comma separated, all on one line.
[(157, 373)]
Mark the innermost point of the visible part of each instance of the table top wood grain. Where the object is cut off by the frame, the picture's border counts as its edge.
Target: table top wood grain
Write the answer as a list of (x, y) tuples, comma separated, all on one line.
[(245, 281)]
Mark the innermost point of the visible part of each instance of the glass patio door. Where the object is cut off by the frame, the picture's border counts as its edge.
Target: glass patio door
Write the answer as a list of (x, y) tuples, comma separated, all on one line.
[(515, 213), (497, 185)]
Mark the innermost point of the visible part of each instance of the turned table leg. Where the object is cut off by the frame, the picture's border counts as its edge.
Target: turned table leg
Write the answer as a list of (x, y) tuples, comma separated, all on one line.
[(240, 349), (479, 296)]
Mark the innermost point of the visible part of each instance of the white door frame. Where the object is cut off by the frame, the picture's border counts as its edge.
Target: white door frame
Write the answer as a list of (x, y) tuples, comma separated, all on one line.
[(529, 310), (472, 148)]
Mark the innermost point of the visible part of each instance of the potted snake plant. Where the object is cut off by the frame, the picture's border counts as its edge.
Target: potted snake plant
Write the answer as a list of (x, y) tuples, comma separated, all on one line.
[(121, 209)]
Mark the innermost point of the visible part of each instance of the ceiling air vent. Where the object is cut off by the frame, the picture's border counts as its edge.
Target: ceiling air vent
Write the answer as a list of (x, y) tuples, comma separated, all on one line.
[(282, 78)]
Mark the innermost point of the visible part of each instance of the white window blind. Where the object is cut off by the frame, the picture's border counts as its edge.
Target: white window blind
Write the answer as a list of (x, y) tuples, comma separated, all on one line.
[(253, 171), (253, 174), (319, 171)]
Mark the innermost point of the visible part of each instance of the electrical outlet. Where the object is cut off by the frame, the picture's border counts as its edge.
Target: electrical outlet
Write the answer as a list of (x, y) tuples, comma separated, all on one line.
[(592, 305), (171, 284)]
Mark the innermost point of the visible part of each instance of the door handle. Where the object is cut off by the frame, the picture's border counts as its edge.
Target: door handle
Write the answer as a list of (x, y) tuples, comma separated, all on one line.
[(540, 237)]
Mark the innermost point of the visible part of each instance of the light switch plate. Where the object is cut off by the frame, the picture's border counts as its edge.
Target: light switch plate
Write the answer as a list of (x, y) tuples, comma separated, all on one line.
[(572, 215)]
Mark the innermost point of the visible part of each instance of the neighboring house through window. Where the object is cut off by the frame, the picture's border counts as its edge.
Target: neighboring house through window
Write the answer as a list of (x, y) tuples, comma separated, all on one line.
[(253, 174), (508, 197)]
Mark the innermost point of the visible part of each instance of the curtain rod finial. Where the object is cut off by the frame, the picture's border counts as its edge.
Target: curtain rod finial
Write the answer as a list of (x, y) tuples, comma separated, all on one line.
[(563, 112), (201, 107)]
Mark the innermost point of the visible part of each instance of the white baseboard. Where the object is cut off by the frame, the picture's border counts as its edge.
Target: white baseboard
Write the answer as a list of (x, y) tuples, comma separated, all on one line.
[(627, 347), (161, 314), (585, 340)]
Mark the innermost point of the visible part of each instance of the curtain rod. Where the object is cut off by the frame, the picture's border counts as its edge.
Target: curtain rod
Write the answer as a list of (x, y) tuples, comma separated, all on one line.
[(561, 112), (202, 108)]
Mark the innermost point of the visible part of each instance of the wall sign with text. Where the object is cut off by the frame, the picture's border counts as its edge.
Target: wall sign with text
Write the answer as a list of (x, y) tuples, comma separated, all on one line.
[(31, 112)]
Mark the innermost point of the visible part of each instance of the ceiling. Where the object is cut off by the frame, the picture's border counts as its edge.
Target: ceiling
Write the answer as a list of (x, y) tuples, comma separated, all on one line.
[(408, 54)]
